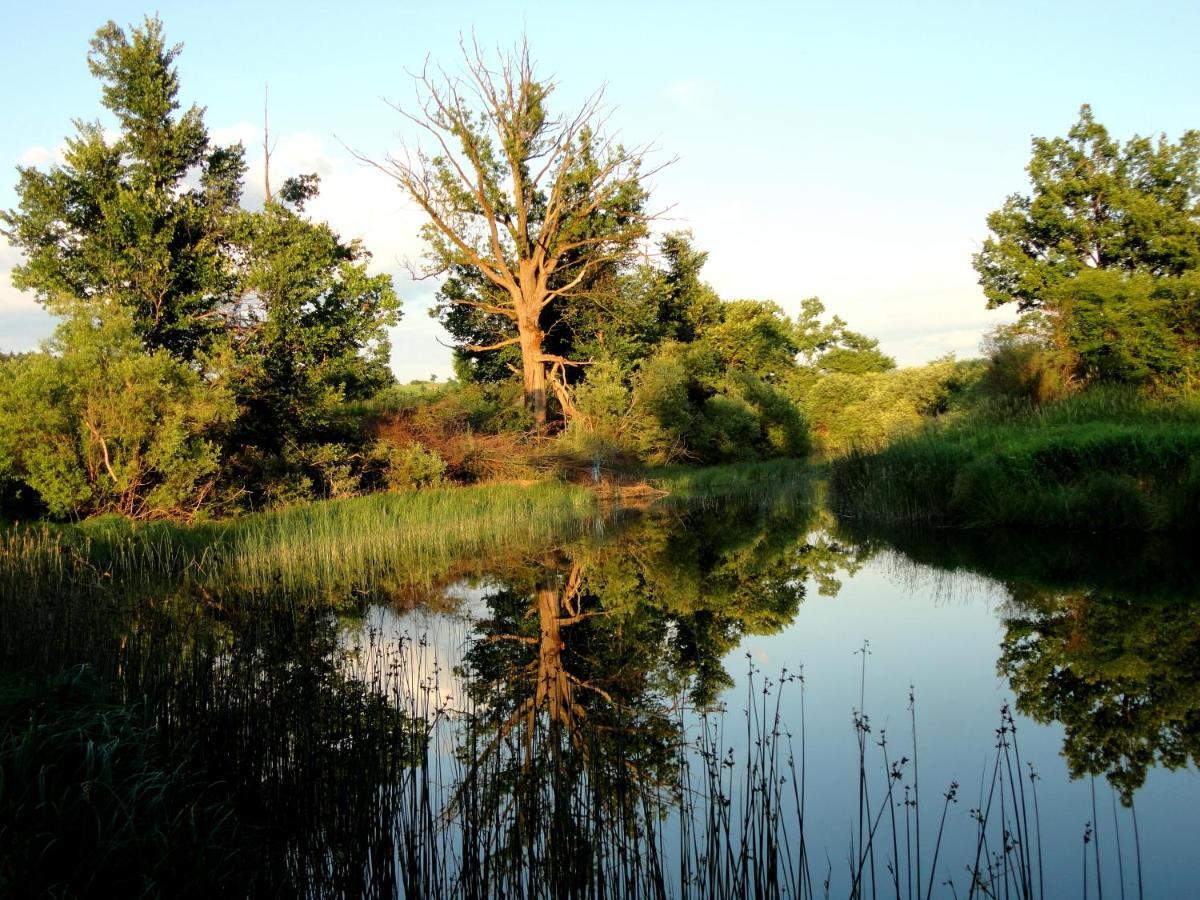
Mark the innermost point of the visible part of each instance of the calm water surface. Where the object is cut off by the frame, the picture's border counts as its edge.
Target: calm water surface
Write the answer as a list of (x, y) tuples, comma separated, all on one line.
[(745, 698)]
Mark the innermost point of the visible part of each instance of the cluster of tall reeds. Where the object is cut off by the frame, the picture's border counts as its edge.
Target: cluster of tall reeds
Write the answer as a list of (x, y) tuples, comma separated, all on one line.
[(329, 546)]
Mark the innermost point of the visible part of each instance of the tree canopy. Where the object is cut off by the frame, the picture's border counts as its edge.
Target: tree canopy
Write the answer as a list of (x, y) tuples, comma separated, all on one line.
[(200, 340), (144, 221), (1107, 245)]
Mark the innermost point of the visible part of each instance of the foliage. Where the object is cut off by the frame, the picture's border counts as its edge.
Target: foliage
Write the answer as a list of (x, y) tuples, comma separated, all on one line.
[(200, 339), (97, 424), (409, 466), (1107, 246), (848, 410), (313, 326), (1022, 364), (145, 221)]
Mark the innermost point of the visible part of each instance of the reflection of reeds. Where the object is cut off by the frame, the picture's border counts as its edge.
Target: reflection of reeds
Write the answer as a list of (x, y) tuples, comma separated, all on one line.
[(361, 767)]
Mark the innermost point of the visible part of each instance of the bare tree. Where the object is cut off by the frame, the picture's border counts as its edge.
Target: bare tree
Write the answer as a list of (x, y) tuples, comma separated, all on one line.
[(534, 203)]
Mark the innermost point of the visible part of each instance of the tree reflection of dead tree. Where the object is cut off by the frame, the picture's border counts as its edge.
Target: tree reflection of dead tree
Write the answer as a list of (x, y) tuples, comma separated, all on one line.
[(555, 687)]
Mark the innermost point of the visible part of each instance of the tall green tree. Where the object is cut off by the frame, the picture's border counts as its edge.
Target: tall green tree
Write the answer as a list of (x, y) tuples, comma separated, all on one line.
[(535, 206), (144, 220), (1107, 246), (142, 237), (312, 324)]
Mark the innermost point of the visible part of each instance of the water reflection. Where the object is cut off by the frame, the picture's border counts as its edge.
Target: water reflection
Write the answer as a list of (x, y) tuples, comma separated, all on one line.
[(1100, 636), (547, 723)]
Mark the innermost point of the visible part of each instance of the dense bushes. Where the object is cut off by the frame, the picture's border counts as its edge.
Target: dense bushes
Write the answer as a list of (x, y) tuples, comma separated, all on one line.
[(686, 403), (98, 424), (867, 411)]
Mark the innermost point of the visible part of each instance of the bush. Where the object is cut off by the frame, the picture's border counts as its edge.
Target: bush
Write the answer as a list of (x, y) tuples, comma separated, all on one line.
[(1023, 364), (408, 467), (97, 424), (868, 411)]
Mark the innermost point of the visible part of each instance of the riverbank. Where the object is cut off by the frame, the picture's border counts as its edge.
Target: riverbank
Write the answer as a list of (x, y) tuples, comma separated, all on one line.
[(345, 544), (1079, 465)]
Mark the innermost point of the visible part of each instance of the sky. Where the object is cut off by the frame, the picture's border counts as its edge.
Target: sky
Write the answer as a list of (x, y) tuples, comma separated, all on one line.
[(849, 151)]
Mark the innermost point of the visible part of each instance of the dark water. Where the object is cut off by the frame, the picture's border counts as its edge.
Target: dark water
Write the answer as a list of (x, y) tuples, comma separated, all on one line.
[(733, 699)]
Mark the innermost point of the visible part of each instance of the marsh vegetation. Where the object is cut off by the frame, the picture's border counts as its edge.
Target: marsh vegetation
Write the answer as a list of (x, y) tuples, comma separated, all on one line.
[(575, 715)]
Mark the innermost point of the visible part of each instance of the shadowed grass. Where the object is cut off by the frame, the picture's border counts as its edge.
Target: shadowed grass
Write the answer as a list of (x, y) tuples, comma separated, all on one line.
[(90, 806)]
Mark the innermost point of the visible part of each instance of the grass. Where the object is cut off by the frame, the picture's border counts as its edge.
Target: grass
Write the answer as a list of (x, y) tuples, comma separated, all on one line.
[(90, 806), (735, 480), (1102, 461), (328, 546), (368, 545)]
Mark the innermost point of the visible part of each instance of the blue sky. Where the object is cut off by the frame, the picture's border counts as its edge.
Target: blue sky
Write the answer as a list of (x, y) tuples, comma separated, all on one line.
[(845, 150)]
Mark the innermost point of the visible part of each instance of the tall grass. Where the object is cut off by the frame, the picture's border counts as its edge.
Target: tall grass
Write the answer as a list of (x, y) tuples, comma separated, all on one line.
[(1098, 461), (90, 805), (362, 544)]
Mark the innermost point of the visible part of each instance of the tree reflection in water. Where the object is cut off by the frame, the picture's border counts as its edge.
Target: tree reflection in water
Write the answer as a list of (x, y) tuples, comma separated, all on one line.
[(581, 673), (1101, 635)]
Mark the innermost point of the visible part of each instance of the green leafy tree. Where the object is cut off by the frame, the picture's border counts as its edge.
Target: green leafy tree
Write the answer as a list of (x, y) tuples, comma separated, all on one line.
[(146, 230), (1119, 674), (679, 373), (144, 221), (530, 208), (1107, 246), (98, 424), (312, 321)]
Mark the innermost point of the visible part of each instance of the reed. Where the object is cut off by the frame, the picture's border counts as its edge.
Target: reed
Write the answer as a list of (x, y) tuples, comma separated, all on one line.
[(338, 545)]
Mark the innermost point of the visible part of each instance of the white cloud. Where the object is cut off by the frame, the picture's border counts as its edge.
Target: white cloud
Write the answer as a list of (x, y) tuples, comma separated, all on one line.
[(359, 201), (11, 300), (23, 323), (41, 157)]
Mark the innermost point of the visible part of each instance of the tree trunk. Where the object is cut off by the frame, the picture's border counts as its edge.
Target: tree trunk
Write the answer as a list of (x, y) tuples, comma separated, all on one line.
[(533, 371)]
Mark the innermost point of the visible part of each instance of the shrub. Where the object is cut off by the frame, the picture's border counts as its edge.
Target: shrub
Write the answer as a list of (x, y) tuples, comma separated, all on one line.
[(95, 423), (408, 467)]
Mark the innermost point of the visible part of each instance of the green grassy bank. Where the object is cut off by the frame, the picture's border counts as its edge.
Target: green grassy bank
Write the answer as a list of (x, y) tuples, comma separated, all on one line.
[(1095, 463), (336, 544), (364, 544)]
